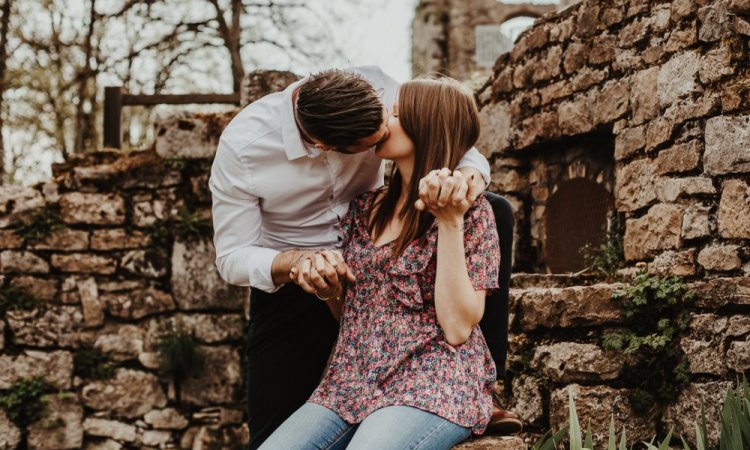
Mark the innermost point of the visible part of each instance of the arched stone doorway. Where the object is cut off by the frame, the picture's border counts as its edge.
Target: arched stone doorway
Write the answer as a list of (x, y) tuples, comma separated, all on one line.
[(576, 216)]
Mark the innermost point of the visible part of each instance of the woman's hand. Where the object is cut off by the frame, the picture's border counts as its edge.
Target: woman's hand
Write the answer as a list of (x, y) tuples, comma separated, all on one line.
[(322, 273), (450, 195)]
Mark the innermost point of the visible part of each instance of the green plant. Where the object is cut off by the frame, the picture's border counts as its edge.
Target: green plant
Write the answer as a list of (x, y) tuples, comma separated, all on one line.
[(654, 309), (24, 401), (735, 422), (179, 355), (40, 225), (607, 257), (13, 298), (90, 363), (187, 226)]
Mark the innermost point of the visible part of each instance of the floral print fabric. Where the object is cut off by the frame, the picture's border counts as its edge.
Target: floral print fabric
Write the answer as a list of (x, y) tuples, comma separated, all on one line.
[(391, 349)]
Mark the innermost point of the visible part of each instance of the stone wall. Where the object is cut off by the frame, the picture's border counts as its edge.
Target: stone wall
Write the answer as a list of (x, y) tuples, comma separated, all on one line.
[(108, 258), (667, 84)]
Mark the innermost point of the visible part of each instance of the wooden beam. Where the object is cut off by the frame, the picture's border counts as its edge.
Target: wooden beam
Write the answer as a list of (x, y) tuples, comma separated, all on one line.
[(184, 99), (113, 116)]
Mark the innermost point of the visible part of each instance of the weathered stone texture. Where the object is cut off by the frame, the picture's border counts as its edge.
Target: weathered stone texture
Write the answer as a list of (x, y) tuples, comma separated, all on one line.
[(166, 419), (678, 78), (45, 327), (644, 104), (496, 129), (22, 261), (218, 382), (629, 141), (734, 210), (738, 356), (98, 209), (56, 367), (527, 399), (60, 426), (685, 412), (84, 263), (679, 158), (565, 307), (635, 185), (720, 258), (570, 361), (129, 394), (673, 263), (138, 303), (659, 229), (10, 435), (110, 428), (727, 145), (196, 283)]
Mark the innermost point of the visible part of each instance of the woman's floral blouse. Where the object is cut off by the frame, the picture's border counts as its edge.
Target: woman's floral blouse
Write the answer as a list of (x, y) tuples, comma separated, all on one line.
[(391, 349)]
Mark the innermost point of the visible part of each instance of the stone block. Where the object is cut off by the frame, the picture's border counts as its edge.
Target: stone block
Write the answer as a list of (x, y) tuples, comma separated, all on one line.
[(720, 258), (508, 181), (672, 263), (716, 64), (17, 203), (138, 303), (22, 262), (658, 132), (259, 83), (634, 33), (118, 239), (727, 145), (206, 328), (218, 382), (659, 229), (51, 326), (629, 142), (719, 292), (679, 158), (715, 21), (110, 428), (683, 8), (575, 116), (196, 283), (683, 414), (129, 394), (146, 263), (635, 185), (734, 210), (166, 419), (696, 222), (40, 288), (540, 127), (527, 399), (90, 208), (683, 38), (123, 344), (573, 362), (643, 102), (670, 189), (678, 78), (84, 263), (91, 306), (738, 356), (489, 442), (547, 65), (566, 307), (602, 50), (156, 438), (575, 57), (495, 123), (703, 357), (611, 103), (597, 405), (10, 240), (189, 134), (64, 239), (56, 367), (738, 326), (60, 426)]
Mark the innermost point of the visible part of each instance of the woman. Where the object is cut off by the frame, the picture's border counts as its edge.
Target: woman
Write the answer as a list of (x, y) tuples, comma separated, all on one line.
[(411, 368)]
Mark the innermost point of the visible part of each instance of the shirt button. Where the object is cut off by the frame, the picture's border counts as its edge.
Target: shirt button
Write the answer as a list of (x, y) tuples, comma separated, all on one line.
[(339, 237)]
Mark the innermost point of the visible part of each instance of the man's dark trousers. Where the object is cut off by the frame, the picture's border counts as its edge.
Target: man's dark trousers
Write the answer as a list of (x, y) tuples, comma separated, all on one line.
[(290, 338)]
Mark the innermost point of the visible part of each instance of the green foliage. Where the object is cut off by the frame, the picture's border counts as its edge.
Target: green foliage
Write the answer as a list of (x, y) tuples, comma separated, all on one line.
[(187, 226), (606, 258), (24, 401), (13, 298), (40, 225), (653, 306), (179, 355), (91, 364), (175, 163)]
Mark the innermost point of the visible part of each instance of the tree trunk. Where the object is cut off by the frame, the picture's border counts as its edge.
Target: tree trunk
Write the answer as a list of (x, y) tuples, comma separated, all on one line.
[(84, 133), (4, 25)]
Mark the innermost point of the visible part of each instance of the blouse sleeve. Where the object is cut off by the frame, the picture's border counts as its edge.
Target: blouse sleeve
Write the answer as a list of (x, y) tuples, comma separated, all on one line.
[(347, 223), (482, 246)]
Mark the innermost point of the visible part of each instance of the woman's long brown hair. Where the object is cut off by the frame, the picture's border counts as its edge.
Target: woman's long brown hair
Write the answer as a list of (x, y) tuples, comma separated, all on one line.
[(441, 118)]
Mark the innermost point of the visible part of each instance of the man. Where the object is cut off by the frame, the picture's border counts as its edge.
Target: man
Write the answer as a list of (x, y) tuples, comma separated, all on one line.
[(284, 172)]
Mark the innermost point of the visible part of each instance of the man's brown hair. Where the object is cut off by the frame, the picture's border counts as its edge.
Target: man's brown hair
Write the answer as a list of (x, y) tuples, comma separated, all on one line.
[(441, 117), (339, 108)]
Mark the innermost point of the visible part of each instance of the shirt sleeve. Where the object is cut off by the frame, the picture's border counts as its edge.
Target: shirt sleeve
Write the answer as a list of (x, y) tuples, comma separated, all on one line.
[(237, 224), (474, 159), (482, 246)]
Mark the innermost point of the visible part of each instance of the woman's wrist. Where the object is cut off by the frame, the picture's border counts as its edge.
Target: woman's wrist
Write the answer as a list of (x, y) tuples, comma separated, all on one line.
[(452, 224)]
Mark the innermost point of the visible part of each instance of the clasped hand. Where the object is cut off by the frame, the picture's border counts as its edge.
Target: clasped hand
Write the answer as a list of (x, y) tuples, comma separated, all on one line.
[(321, 272), (446, 195)]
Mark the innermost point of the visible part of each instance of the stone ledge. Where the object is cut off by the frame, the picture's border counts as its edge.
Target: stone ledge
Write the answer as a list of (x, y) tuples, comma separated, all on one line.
[(492, 443)]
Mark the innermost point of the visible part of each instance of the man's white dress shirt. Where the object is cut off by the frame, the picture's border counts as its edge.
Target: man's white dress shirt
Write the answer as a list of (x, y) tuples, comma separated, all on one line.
[(271, 192)]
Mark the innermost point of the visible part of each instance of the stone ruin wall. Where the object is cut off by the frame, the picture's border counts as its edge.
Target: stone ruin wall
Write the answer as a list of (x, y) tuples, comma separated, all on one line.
[(665, 87), (115, 275)]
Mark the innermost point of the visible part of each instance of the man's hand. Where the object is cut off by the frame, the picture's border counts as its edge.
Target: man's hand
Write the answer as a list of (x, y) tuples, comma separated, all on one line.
[(439, 187), (321, 273)]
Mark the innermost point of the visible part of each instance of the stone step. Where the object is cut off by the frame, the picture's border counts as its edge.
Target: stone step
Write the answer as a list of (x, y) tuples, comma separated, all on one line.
[(493, 443), (543, 280)]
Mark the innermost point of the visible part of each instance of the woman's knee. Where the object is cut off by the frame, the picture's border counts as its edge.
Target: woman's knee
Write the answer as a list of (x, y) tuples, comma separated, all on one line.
[(311, 427)]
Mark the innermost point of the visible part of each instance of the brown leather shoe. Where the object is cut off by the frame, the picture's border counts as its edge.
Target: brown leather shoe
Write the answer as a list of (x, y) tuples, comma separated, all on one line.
[(503, 422)]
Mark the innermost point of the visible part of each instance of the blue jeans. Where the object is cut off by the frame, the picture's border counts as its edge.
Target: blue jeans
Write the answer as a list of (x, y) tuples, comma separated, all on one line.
[(315, 427)]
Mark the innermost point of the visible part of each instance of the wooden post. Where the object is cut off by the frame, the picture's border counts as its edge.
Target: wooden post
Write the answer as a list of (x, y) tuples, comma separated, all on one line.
[(113, 116)]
